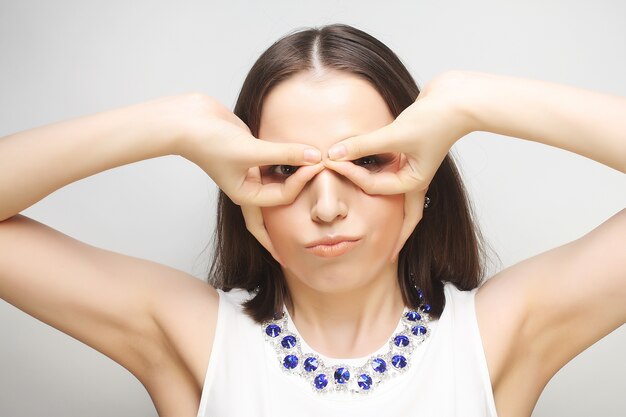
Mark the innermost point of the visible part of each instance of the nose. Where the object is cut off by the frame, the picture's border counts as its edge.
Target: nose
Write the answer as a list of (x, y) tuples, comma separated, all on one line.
[(329, 192)]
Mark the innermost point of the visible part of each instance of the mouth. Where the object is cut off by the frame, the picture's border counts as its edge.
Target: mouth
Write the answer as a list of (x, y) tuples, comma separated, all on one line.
[(333, 249)]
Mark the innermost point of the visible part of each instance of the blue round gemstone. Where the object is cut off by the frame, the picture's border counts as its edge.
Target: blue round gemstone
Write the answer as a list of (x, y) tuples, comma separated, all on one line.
[(365, 381), (401, 340), (273, 330), (398, 361), (290, 361), (425, 308), (320, 381), (310, 364), (420, 293), (418, 330), (413, 316), (379, 365), (342, 375), (288, 342)]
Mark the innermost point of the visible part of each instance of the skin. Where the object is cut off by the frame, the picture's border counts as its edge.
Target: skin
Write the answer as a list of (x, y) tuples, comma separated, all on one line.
[(332, 297), (159, 322), (530, 314)]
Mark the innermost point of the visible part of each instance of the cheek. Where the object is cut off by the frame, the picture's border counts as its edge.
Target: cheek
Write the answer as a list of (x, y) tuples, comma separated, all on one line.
[(280, 224), (271, 216), (386, 216)]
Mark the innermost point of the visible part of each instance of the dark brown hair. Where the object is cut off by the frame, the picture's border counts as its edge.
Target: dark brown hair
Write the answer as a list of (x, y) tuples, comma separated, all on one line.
[(446, 244)]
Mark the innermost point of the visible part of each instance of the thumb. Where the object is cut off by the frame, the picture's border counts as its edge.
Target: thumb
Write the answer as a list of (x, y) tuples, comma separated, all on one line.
[(367, 144)]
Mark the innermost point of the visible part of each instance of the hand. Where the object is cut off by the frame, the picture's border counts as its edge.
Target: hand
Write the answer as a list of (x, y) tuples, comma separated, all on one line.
[(223, 146), (423, 134)]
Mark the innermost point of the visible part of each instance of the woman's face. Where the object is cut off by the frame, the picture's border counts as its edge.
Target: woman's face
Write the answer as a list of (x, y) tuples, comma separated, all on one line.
[(320, 112)]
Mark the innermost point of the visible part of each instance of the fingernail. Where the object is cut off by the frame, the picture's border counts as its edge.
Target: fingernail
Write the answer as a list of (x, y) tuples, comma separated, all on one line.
[(312, 155), (337, 151)]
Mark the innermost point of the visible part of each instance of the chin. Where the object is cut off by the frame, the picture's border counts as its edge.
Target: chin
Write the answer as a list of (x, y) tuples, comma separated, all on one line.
[(335, 282)]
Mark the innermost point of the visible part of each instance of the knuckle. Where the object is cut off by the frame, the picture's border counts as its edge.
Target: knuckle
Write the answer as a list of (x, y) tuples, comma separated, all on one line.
[(196, 95), (355, 148), (290, 194), (366, 184), (292, 155), (200, 98), (241, 199), (235, 199)]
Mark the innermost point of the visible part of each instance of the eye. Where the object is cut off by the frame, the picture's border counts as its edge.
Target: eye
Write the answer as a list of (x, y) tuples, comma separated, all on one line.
[(373, 162), (281, 170)]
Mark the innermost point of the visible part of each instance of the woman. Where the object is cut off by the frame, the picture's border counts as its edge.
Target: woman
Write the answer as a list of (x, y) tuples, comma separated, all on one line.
[(361, 244)]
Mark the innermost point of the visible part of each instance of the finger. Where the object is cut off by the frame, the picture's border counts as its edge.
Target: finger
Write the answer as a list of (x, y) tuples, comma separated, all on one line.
[(384, 183), (274, 194), (254, 223), (296, 182), (413, 212), (262, 152), (378, 141)]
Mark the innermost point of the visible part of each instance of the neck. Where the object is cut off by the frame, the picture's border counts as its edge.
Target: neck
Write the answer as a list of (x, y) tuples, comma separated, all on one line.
[(347, 324)]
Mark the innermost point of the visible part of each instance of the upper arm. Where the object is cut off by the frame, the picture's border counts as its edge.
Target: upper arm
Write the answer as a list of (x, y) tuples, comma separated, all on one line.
[(576, 293), (120, 305), (551, 307)]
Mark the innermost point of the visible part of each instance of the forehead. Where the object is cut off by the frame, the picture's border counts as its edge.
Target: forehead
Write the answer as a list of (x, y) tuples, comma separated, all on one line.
[(321, 111)]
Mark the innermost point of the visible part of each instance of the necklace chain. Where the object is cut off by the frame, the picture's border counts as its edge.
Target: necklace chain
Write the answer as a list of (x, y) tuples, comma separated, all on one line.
[(325, 378)]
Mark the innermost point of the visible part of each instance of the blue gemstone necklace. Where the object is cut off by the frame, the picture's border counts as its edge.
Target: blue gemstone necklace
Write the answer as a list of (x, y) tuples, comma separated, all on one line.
[(346, 378)]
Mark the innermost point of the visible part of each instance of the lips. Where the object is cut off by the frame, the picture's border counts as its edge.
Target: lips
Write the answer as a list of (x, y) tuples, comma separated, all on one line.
[(331, 240), (333, 246)]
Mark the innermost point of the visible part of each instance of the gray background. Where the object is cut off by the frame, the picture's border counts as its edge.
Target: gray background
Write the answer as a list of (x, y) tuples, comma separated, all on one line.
[(64, 59)]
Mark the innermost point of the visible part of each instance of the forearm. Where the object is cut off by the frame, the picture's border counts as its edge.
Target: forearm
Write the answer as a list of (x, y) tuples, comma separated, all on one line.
[(588, 123), (36, 162)]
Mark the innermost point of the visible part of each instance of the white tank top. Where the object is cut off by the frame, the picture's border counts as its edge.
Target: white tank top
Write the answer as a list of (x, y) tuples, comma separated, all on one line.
[(447, 377)]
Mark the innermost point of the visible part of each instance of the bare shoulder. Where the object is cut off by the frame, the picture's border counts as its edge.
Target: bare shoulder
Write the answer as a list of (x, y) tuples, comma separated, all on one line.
[(154, 320), (531, 314)]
